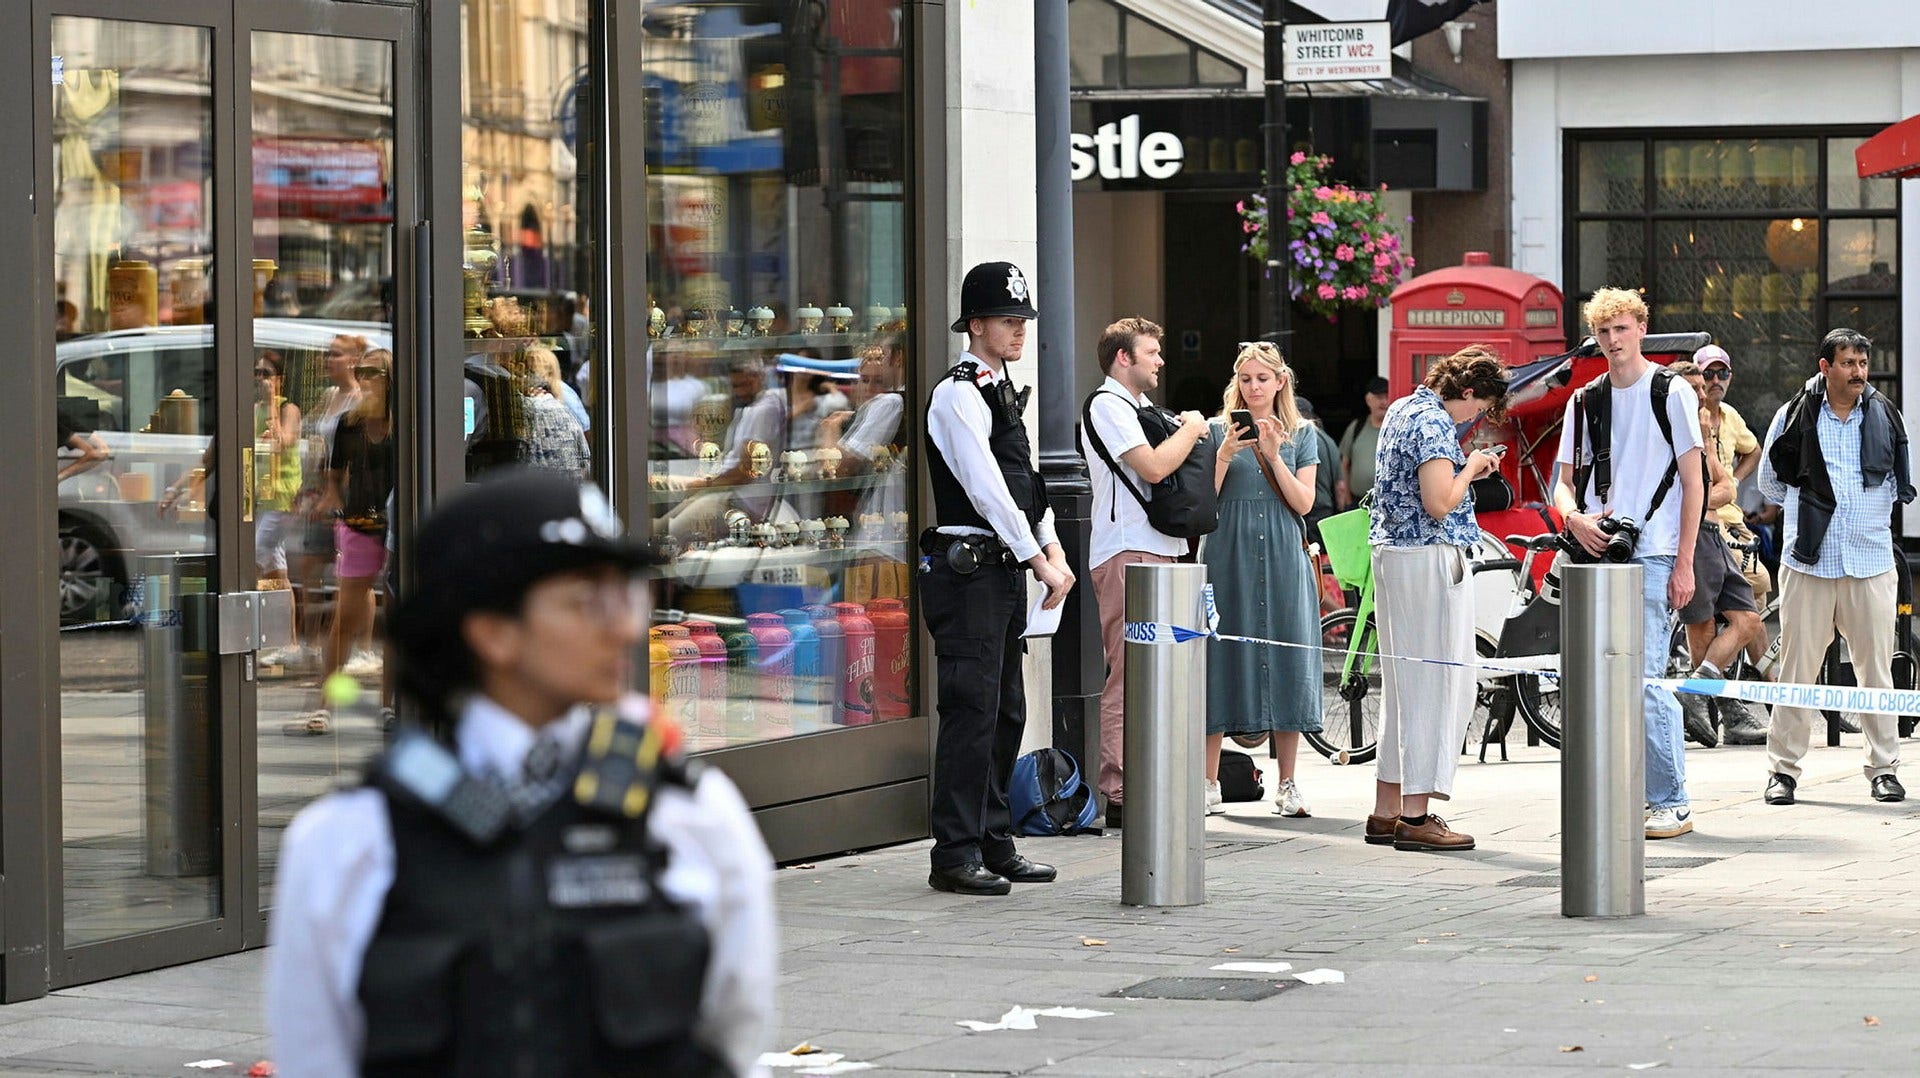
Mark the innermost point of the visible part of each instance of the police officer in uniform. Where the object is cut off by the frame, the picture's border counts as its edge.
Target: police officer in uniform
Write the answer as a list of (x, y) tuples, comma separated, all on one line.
[(540, 885), (994, 524)]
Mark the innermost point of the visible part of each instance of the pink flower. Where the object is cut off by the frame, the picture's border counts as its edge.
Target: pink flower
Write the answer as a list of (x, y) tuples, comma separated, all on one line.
[(1343, 252), (1327, 291), (1323, 193), (1383, 260), (1241, 206), (1298, 158), (1354, 292), (1380, 277), (1320, 218)]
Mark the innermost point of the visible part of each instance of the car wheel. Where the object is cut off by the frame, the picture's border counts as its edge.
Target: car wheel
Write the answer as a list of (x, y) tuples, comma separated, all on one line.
[(92, 584)]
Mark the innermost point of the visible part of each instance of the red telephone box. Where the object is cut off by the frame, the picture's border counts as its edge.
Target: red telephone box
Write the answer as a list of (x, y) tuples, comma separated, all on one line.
[(1436, 314)]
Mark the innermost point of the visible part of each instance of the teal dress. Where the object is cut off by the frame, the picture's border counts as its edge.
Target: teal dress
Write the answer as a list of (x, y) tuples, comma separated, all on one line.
[(1263, 585)]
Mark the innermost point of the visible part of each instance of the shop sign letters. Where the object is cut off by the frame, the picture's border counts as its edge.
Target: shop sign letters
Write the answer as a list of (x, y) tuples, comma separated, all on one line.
[(1118, 152)]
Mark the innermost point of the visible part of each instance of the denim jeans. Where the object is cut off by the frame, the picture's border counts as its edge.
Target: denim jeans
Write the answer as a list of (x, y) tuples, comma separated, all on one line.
[(1666, 737)]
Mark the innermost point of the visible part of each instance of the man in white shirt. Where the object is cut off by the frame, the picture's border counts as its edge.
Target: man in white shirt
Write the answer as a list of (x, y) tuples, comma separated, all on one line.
[(1123, 468), (994, 525), (1646, 476)]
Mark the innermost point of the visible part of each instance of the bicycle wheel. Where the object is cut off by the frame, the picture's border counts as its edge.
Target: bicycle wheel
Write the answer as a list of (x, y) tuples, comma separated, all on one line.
[(1538, 701), (1350, 705)]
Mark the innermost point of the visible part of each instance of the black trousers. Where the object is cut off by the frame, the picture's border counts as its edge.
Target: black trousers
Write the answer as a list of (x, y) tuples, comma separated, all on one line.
[(976, 620)]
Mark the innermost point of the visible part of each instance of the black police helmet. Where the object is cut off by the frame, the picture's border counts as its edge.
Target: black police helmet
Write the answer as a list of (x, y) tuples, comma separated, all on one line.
[(483, 548), (993, 289)]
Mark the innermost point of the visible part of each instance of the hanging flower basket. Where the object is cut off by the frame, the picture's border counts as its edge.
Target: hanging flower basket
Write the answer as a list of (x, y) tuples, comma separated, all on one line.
[(1341, 251)]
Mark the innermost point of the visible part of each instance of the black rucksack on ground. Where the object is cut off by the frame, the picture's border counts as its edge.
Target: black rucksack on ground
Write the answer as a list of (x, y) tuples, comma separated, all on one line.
[(1240, 777), (1184, 504)]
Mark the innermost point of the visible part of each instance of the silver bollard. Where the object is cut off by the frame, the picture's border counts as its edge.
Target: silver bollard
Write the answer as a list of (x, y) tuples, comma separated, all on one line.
[(1163, 845), (1603, 752)]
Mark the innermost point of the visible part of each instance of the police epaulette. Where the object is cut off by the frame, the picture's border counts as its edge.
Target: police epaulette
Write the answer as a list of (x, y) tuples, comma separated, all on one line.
[(625, 762), (966, 370), (427, 771)]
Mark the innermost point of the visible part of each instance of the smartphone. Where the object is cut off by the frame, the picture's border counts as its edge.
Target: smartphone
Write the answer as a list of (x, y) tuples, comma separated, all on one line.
[(1498, 449), (1242, 417)]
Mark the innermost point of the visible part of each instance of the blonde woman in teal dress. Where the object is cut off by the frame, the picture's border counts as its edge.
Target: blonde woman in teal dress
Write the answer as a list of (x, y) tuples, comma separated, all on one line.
[(1263, 582)]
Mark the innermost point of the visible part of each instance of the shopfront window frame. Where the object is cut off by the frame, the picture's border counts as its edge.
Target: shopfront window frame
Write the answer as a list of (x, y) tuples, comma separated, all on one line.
[(1649, 218)]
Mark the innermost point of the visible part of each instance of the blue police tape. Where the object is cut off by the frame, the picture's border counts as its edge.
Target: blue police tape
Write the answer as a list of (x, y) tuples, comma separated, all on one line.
[(1847, 698)]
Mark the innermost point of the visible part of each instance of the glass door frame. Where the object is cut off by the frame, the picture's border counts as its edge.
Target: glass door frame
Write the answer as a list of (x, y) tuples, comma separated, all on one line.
[(36, 958)]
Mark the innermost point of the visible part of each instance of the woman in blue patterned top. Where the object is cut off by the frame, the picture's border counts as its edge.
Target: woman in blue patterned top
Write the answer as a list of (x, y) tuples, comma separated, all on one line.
[(1423, 527)]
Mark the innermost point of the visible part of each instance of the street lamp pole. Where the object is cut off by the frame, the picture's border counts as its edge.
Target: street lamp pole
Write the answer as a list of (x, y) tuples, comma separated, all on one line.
[(1276, 301)]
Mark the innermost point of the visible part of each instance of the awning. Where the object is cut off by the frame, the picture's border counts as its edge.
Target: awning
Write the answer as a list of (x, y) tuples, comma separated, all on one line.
[(1894, 152)]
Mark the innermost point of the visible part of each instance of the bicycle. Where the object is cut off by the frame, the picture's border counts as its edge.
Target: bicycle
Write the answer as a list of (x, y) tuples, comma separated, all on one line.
[(1349, 640)]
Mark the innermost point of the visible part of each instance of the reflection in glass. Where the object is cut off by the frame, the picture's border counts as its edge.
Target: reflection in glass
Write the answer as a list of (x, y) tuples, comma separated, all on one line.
[(1846, 190), (1863, 255), (779, 469), (324, 433), (1612, 177), (527, 186), (134, 375), (1612, 254)]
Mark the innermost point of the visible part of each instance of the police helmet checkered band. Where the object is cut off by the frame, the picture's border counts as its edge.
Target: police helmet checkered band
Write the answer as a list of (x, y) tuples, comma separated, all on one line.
[(993, 290)]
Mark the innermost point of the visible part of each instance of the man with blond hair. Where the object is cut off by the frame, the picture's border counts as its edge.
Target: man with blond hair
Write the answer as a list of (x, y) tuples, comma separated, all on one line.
[(1629, 472), (1118, 453)]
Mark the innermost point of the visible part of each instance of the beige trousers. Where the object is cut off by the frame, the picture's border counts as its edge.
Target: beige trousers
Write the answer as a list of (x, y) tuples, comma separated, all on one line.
[(1110, 594), (1812, 609), (1425, 610)]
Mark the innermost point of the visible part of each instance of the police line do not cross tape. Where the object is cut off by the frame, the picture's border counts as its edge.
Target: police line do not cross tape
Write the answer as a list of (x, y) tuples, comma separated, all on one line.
[(1847, 698)]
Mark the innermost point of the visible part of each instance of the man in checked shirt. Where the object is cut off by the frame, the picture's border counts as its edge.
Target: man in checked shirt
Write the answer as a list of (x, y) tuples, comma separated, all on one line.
[(1836, 461)]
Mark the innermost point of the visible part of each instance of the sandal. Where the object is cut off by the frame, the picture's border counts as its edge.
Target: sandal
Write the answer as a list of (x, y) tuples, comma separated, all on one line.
[(318, 724)]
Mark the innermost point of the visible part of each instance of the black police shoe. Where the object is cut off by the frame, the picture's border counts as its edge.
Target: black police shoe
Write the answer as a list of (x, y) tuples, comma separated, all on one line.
[(1887, 788), (1020, 870), (972, 878), (1780, 789)]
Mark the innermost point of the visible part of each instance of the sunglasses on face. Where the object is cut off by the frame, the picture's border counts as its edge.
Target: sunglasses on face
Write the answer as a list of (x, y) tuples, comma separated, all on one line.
[(1717, 374), (369, 372)]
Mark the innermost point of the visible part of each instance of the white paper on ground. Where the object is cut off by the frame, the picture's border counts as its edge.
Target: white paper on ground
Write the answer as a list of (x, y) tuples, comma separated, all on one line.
[(788, 1060), (1043, 622), (1321, 976), (1023, 1018), (1253, 967), (209, 1064), (1644, 1066), (839, 1068)]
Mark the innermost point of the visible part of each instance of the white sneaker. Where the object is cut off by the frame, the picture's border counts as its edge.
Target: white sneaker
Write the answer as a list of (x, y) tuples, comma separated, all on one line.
[(1669, 822), (1216, 805), (363, 664), (1289, 802)]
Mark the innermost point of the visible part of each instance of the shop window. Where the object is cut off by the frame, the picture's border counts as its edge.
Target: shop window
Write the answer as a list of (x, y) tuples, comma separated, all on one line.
[(1766, 241), (781, 459), (1093, 48), (1156, 58), (1112, 49), (529, 292), (1211, 70)]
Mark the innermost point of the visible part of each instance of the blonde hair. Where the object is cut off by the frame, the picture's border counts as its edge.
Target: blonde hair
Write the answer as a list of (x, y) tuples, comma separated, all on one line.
[(1267, 354), (370, 405), (1610, 303)]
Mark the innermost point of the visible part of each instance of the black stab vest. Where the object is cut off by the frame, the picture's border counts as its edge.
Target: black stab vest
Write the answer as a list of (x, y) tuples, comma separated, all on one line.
[(475, 970), (1012, 453)]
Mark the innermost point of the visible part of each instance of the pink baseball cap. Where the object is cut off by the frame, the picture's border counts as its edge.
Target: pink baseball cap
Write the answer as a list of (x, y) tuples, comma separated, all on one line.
[(1711, 354)]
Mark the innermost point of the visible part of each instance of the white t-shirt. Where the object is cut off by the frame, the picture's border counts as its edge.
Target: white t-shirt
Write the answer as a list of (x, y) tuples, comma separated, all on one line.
[(1120, 522), (1640, 457)]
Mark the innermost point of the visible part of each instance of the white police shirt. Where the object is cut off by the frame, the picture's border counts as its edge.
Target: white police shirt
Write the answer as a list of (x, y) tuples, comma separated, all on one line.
[(959, 423), (336, 866)]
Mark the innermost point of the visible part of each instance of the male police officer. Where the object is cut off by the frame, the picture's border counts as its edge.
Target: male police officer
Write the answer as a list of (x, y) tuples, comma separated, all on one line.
[(541, 890), (992, 509)]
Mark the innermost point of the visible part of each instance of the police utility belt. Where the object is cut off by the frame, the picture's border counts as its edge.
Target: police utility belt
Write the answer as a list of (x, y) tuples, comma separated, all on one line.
[(966, 553)]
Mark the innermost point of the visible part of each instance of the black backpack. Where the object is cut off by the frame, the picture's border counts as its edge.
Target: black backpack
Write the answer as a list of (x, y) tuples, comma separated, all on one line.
[(1240, 777), (1184, 504), (1593, 410)]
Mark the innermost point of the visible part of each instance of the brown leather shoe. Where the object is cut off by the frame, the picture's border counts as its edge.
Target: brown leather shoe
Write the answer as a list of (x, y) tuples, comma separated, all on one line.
[(1380, 829), (1432, 835)]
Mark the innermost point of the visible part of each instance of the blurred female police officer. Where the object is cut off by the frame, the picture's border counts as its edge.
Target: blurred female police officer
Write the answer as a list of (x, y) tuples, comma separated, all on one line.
[(537, 887)]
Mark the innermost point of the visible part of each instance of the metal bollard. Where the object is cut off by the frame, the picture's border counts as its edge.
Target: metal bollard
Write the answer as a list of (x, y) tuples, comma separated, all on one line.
[(1603, 754), (1163, 845)]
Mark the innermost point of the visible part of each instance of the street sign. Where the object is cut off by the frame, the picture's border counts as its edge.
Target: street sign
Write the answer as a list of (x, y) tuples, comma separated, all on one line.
[(1338, 52)]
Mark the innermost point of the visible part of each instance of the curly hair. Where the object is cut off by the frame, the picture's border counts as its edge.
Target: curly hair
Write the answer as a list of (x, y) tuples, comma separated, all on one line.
[(1476, 367), (1609, 303)]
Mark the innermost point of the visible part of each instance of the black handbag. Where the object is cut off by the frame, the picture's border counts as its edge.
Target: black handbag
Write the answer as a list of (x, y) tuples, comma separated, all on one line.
[(1492, 493)]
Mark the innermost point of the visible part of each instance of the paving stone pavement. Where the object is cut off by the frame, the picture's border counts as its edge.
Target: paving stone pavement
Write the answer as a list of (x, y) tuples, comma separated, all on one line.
[(1777, 941)]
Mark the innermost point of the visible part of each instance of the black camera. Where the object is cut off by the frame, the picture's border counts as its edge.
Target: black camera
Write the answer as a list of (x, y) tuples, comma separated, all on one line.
[(1623, 535)]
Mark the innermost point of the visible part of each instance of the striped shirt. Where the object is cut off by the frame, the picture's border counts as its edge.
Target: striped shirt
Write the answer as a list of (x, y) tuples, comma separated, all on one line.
[(1859, 541)]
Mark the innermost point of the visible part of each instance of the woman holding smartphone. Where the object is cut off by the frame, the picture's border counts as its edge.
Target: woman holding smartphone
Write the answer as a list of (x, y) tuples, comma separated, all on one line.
[(1264, 583), (1423, 527)]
